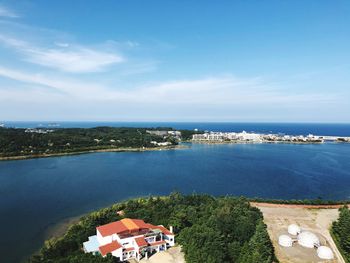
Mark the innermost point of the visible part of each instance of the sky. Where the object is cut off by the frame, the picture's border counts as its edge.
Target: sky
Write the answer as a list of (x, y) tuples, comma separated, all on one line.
[(235, 61)]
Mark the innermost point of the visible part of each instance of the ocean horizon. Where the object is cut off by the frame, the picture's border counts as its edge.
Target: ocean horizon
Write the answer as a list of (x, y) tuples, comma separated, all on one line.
[(336, 129)]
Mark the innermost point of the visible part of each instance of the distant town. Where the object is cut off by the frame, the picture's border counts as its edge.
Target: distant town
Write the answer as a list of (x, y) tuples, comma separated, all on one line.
[(217, 137)]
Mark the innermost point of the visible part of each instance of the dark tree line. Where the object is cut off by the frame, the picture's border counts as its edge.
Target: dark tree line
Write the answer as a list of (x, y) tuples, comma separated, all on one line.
[(17, 142), (341, 232), (209, 229)]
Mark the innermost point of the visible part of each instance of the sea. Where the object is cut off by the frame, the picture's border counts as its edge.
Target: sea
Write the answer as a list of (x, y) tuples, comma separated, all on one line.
[(38, 194)]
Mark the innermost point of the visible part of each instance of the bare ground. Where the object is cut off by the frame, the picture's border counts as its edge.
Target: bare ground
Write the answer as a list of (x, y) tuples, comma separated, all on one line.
[(172, 255), (317, 220)]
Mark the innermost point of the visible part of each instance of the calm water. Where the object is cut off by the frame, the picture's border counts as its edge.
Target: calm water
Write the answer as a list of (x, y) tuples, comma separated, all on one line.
[(38, 193)]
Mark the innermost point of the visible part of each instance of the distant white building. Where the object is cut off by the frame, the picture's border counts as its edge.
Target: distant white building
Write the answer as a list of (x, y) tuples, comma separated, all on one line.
[(129, 238), (212, 136), (161, 143), (244, 136), (231, 136)]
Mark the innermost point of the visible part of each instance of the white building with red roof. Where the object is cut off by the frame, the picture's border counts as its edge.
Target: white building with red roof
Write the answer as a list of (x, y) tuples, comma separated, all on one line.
[(129, 238)]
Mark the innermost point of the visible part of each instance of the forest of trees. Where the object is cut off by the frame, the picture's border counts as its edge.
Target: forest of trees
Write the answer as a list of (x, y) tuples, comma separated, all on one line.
[(18, 142), (341, 232), (209, 229)]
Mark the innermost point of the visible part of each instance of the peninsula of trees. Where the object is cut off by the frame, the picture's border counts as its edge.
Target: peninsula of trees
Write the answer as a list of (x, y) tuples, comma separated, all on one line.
[(209, 229), (24, 143)]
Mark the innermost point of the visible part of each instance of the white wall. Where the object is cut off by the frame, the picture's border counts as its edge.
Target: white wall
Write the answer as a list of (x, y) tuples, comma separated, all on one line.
[(118, 253), (170, 239), (103, 240)]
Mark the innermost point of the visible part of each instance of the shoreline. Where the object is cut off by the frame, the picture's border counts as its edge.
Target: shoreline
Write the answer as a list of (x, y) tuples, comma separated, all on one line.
[(59, 228), (37, 156), (253, 142), (264, 142)]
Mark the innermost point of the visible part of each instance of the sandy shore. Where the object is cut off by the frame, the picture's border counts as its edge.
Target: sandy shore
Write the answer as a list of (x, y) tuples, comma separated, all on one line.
[(59, 229), (22, 157)]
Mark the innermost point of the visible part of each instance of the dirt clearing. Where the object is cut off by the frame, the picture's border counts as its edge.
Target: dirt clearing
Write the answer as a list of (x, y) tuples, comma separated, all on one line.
[(317, 221)]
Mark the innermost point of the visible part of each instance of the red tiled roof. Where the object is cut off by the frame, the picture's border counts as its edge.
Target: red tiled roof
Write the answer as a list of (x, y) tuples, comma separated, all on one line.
[(164, 230), (109, 248), (140, 223), (161, 228), (124, 225), (141, 242), (129, 248), (157, 243), (112, 228), (128, 225)]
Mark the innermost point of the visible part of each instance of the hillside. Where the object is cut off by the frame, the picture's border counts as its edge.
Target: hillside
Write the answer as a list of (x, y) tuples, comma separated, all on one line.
[(209, 229)]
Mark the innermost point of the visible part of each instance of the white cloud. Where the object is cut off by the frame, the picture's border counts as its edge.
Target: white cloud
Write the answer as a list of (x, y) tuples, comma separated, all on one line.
[(221, 90), (5, 12), (65, 57), (217, 98), (78, 59)]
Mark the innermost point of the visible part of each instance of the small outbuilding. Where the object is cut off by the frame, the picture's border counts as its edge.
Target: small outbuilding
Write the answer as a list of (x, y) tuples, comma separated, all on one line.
[(294, 229), (324, 252), (308, 239), (285, 241)]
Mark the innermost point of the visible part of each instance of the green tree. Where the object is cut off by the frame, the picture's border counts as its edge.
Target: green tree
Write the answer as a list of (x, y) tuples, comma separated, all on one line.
[(341, 231)]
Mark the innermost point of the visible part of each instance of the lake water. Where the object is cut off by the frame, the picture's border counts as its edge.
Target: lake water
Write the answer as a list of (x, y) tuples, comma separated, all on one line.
[(36, 194)]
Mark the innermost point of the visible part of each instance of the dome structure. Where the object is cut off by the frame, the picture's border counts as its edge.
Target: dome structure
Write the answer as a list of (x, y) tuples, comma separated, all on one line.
[(308, 239), (294, 229), (324, 252), (285, 241)]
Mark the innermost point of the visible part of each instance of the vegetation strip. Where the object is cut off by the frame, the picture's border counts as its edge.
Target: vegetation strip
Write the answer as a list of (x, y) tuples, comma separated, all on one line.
[(341, 232), (19, 143)]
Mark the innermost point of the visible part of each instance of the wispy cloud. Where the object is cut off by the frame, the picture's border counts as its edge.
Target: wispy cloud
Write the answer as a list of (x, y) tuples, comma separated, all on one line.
[(217, 98), (65, 57), (222, 90), (77, 59), (5, 12)]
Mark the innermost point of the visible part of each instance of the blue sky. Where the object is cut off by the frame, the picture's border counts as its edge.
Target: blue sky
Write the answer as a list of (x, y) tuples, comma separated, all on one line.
[(267, 61)]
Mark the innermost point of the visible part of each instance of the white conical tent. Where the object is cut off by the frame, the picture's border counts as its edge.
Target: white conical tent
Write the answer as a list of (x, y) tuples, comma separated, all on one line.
[(325, 252), (294, 229), (285, 241), (308, 239)]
